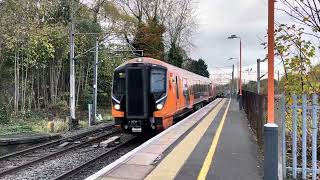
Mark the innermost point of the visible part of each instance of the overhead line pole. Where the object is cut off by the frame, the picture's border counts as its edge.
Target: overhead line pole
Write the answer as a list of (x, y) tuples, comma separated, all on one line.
[(72, 103), (95, 83), (258, 74), (240, 80), (232, 86), (271, 129), (240, 73)]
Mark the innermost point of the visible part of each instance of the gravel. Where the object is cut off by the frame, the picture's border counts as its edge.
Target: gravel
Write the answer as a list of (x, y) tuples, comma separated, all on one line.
[(56, 166), (24, 158)]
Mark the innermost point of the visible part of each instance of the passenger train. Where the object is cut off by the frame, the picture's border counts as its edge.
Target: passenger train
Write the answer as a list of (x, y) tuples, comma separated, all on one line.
[(149, 94)]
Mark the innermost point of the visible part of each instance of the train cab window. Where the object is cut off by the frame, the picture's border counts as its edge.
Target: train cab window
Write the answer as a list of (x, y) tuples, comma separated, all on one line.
[(158, 83), (119, 84)]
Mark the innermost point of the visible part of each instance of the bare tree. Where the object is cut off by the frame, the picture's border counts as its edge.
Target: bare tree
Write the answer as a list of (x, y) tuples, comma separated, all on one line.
[(178, 17), (181, 24), (305, 12), (132, 7)]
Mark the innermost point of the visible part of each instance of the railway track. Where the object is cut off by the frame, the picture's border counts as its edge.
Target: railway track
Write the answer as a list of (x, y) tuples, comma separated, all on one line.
[(15, 162), (74, 173), (53, 143)]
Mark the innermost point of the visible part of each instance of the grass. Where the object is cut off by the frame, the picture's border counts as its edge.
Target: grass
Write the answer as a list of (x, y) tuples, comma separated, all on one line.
[(37, 122)]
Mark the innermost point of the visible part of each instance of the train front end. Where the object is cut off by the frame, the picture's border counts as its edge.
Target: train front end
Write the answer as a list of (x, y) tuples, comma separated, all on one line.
[(139, 90)]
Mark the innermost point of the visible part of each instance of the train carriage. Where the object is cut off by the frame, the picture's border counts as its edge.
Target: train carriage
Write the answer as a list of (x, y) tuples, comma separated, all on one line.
[(151, 94)]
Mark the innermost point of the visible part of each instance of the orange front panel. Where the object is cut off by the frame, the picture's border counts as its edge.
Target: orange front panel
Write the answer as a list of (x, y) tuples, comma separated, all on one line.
[(116, 113), (170, 106), (167, 122)]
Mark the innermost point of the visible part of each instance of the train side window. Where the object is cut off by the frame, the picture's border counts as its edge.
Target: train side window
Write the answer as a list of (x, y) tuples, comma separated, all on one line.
[(195, 86), (192, 89), (202, 89), (177, 87), (185, 87)]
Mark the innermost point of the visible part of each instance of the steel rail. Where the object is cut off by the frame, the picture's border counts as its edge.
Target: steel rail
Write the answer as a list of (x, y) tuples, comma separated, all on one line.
[(75, 170), (46, 157), (52, 143)]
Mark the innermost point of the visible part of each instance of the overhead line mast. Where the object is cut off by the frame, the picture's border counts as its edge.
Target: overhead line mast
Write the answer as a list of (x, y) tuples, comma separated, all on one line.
[(72, 103)]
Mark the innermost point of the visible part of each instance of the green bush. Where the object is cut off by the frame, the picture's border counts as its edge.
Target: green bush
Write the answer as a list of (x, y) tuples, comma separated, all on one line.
[(4, 116), (104, 100), (85, 99), (60, 109)]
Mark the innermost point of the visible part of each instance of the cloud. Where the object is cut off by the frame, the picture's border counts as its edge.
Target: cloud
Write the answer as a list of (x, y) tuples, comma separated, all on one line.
[(219, 19)]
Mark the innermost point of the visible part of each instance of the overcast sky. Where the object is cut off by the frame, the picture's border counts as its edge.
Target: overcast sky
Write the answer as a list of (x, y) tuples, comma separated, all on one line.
[(218, 19)]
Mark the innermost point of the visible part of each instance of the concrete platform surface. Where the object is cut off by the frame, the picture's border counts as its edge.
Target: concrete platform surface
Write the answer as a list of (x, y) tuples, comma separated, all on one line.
[(220, 146), (236, 155), (138, 163)]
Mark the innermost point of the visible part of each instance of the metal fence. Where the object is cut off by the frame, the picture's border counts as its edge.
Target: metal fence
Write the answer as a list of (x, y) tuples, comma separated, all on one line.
[(255, 107), (299, 136)]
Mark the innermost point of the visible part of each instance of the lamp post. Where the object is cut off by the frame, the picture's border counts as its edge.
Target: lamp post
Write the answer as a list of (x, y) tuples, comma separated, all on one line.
[(240, 74), (271, 129), (238, 82)]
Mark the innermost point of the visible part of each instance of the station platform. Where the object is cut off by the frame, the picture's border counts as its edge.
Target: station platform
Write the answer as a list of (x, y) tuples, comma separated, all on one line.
[(213, 143)]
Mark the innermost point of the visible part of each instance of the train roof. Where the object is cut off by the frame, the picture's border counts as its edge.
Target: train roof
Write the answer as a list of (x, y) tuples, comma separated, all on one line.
[(168, 66)]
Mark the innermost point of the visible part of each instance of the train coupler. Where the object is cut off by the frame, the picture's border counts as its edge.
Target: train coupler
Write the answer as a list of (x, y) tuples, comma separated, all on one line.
[(136, 125)]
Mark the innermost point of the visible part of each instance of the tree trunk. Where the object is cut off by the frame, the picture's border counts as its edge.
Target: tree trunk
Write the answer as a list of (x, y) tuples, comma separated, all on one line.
[(25, 88), (44, 83), (22, 85), (57, 77), (52, 76), (18, 81), (87, 74), (32, 94), (38, 84), (79, 84), (16, 85)]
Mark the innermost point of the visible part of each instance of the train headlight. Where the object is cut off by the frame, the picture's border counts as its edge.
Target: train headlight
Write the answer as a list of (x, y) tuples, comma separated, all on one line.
[(117, 106), (159, 106)]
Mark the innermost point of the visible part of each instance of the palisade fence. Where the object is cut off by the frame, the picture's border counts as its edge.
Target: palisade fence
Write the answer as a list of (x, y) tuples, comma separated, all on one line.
[(299, 133), (255, 107), (300, 121)]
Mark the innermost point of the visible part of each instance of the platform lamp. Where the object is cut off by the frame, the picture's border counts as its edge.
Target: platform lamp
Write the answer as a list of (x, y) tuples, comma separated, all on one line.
[(271, 128), (240, 74)]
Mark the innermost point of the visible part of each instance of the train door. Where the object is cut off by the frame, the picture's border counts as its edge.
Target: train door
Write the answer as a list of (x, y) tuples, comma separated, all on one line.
[(177, 93), (195, 91), (191, 93), (185, 92)]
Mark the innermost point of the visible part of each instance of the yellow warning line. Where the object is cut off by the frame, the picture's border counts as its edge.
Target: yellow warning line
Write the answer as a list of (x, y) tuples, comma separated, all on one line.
[(172, 163), (208, 161)]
